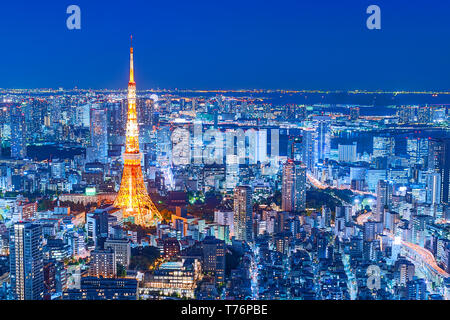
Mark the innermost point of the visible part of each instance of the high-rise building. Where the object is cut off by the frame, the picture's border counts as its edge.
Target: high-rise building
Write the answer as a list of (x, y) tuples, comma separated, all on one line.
[(417, 289), (18, 133), (293, 186), (439, 161), (26, 261), (295, 148), (214, 258), (384, 199), (99, 135), (383, 146), (347, 153), (308, 149), (371, 230), (121, 249), (433, 181), (232, 171), (323, 138), (103, 264), (243, 213), (345, 212), (404, 271), (417, 150), (171, 247), (133, 199), (97, 226)]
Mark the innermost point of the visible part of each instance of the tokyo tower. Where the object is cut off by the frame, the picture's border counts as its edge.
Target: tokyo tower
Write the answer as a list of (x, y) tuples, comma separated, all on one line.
[(133, 199)]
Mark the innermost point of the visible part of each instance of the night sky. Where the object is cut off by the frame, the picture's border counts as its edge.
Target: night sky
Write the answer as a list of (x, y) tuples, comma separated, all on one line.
[(232, 44)]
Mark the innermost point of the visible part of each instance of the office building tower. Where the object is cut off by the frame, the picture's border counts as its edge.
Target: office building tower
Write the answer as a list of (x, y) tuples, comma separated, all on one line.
[(308, 151), (243, 213), (103, 264), (433, 185), (214, 258), (384, 199), (121, 249), (347, 153), (404, 271), (18, 133), (232, 171), (323, 133), (417, 150), (99, 135), (417, 289), (26, 261), (371, 230), (171, 247), (116, 117), (97, 226), (293, 186), (383, 147), (344, 212), (439, 161), (295, 148)]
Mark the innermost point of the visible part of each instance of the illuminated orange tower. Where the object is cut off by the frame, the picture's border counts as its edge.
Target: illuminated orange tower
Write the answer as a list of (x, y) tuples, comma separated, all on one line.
[(133, 199)]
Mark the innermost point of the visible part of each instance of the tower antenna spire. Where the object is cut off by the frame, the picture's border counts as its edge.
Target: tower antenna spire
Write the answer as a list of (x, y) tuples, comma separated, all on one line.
[(131, 61)]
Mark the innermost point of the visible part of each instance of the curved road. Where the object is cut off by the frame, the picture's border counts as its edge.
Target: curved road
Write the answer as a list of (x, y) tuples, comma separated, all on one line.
[(426, 256), (319, 185)]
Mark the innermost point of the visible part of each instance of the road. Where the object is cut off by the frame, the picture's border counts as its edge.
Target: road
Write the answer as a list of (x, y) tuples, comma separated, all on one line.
[(351, 283), (319, 185), (362, 218), (254, 272), (426, 257)]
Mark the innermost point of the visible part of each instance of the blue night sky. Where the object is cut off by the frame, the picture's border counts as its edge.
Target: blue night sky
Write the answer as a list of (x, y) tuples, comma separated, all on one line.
[(284, 44)]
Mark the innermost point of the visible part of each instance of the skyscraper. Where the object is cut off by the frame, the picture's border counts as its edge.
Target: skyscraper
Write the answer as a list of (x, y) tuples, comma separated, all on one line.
[(383, 146), (417, 150), (18, 133), (433, 180), (308, 149), (439, 161), (295, 148), (323, 138), (384, 199), (133, 199), (347, 153), (243, 213), (293, 186), (99, 135), (26, 261), (214, 257)]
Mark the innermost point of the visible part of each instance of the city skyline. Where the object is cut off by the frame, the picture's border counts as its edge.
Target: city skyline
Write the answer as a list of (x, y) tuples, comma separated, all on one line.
[(226, 195)]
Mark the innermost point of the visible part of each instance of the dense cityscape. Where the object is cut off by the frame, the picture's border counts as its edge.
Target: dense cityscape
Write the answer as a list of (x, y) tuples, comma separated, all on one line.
[(223, 195)]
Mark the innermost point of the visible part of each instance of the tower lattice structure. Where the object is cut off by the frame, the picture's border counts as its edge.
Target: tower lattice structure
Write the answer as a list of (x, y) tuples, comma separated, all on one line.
[(133, 199)]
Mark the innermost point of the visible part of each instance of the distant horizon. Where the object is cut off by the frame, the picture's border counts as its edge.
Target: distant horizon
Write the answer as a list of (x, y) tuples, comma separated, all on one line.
[(353, 91)]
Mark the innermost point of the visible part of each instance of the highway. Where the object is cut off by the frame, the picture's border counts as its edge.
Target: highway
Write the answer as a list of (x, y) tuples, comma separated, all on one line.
[(362, 218), (319, 185), (426, 256)]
